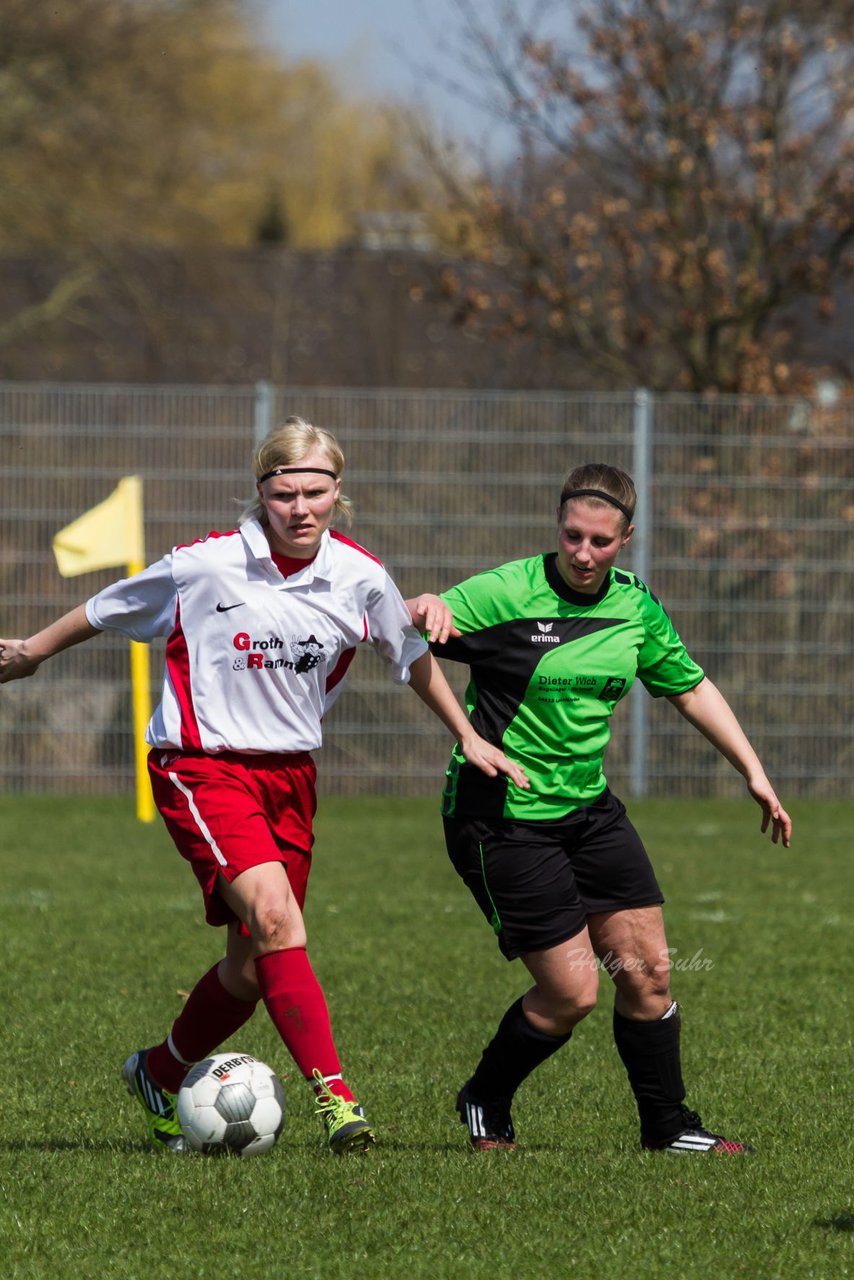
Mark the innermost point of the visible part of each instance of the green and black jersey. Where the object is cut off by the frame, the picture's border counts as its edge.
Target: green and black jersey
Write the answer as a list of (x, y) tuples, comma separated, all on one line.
[(548, 665)]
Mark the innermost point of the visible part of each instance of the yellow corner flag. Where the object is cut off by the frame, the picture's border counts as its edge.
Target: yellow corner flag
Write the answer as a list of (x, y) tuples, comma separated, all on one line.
[(108, 535), (112, 534)]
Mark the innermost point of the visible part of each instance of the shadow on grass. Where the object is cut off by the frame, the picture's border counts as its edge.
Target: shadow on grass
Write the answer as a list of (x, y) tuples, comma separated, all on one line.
[(843, 1221)]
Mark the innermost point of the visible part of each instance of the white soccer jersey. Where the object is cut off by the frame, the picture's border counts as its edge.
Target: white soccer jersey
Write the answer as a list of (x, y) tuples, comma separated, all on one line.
[(254, 659)]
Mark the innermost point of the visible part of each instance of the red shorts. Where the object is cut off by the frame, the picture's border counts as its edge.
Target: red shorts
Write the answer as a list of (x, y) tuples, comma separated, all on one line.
[(229, 812)]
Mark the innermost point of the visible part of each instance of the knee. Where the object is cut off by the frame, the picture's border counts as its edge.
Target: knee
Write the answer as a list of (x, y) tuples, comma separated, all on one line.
[(583, 1003), (586, 990), (643, 990), (556, 1013), (569, 1013), (276, 924)]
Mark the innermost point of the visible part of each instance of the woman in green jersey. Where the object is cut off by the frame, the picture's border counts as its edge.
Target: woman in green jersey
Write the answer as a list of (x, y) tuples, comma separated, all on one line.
[(553, 643)]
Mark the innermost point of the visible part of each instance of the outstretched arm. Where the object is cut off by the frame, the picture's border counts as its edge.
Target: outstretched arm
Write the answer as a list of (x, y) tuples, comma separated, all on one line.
[(707, 709), (22, 658), (428, 681)]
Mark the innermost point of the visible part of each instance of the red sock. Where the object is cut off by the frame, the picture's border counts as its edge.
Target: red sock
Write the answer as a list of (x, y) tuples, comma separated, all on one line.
[(209, 1017), (296, 1003)]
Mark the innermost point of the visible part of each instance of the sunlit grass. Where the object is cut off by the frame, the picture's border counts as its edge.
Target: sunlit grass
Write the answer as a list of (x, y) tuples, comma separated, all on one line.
[(101, 930)]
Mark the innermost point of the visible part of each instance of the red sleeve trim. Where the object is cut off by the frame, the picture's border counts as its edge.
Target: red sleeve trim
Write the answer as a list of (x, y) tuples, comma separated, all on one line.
[(212, 534), (348, 542)]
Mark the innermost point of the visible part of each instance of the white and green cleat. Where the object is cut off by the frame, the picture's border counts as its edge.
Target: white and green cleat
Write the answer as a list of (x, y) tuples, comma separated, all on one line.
[(160, 1106), (347, 1128)]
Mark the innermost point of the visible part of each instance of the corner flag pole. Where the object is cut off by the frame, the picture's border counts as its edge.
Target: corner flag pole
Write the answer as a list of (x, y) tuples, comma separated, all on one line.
[(140, 671), (140, 683), (112, 534)]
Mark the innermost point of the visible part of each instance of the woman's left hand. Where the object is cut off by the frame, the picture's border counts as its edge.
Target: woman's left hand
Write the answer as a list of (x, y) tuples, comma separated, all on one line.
[(432, 617), (773, 812), (491, 760)]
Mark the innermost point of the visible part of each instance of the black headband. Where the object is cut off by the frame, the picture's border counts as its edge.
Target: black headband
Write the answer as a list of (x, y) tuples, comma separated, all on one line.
[(287, 471), (596, 493)]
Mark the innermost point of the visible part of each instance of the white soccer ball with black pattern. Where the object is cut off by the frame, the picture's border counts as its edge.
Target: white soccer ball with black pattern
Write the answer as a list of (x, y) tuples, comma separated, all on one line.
[(231, 1102)]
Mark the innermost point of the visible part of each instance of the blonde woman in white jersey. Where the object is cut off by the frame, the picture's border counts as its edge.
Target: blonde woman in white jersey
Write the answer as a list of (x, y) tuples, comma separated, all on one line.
[(262, 624)]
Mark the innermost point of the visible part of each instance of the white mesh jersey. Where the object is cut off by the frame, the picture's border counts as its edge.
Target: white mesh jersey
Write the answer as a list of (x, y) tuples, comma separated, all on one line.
[(254, 659)]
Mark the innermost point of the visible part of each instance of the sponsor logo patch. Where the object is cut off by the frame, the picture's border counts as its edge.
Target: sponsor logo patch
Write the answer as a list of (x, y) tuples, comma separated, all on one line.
[(267, 654)]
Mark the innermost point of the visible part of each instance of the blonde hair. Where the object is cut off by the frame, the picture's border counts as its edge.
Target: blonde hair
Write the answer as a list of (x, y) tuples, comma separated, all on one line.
[(287, 445), (610, 482)]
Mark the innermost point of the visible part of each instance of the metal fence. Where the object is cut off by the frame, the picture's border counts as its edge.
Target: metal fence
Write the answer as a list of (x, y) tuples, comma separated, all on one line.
[(744, 529)]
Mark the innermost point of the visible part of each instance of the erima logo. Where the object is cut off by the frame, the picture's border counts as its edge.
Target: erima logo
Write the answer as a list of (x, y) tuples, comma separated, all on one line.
[(543, 637)]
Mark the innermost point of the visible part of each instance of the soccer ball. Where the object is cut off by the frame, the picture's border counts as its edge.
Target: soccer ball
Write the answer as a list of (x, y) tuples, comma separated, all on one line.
[(231, 1102)]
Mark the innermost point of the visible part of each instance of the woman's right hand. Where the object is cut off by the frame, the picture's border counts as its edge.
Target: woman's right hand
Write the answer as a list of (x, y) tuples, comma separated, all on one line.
[(15, 662), (22, 658)]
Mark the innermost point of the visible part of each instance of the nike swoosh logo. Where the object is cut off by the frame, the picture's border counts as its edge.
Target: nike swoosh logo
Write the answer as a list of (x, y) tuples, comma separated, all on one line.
[(224, 608)]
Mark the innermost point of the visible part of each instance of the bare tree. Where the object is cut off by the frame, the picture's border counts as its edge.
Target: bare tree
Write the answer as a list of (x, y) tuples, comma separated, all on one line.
[(683, 186)]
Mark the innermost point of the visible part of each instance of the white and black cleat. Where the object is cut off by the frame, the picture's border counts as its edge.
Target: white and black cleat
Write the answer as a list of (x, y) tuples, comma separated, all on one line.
[(695, 1140), (488, 1121)]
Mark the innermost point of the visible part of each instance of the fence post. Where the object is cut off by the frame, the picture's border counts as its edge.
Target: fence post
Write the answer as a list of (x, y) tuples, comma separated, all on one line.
[(262, 417), (642, 428)]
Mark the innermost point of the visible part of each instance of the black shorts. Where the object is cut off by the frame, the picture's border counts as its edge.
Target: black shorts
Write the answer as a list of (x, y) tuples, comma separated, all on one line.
[(537, 882)]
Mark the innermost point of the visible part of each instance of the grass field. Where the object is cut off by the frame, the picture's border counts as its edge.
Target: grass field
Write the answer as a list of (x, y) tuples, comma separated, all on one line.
[(102, 928)]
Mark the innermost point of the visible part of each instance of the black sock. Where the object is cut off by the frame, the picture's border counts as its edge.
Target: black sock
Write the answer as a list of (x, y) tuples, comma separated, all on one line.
[(512, 1054), (650, 1054)]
